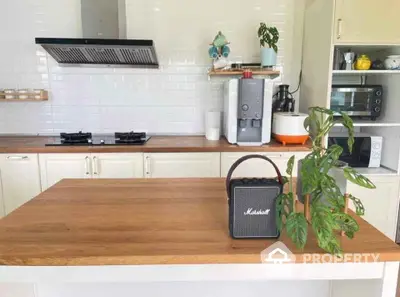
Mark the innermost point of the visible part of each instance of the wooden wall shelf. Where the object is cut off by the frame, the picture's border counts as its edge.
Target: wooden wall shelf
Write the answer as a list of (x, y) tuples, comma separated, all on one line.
[(31, 96), (240, 72), (22, 100)]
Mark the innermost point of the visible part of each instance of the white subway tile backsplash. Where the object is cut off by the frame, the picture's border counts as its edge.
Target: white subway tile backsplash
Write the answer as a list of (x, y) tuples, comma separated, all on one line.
[(168, 100)]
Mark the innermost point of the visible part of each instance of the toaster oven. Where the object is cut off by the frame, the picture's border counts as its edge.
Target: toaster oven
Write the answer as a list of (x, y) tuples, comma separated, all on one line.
[(363, 101)]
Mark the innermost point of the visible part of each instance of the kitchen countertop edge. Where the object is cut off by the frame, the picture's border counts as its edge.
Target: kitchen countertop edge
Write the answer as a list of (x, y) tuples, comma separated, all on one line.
[(157, 144)]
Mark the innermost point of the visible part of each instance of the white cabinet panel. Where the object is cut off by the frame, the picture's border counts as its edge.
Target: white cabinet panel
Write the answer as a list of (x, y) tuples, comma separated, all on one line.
[(55, 167), (170, 165), (20, 179), (117, 165), (381, 204), (375, 22), (258, 167)]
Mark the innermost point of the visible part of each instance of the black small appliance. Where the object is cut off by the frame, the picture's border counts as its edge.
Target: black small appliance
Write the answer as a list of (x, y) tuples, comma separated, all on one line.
[(252, 203), (361, 101), (284, 101)]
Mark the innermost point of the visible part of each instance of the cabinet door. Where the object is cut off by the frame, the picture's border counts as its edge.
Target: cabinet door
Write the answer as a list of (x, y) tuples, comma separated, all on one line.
[(55, 167), (175, 165), (258, 167), (20, 179), (372, 22), (381, 204), (117, 165)]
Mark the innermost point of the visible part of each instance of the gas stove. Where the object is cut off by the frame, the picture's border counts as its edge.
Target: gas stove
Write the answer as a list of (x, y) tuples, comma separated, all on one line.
[(87, 139)]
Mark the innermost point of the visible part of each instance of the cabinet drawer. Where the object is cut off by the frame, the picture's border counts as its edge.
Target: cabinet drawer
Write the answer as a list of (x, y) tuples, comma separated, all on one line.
[(258, 167), (176, 165)]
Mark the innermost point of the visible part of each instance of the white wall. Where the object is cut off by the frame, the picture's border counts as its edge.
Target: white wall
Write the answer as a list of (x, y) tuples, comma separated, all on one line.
[(169, 100)]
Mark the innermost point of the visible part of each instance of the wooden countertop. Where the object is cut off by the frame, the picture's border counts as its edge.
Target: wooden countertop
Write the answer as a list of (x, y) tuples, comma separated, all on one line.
[(145, 221), (157, 144)]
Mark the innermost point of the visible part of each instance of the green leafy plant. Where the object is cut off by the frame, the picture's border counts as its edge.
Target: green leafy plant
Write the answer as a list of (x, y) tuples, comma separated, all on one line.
[(269, 36), (327, 203)]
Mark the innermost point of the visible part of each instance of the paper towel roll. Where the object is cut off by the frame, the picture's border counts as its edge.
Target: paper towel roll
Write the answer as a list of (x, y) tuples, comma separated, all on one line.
[(213, 134), (213, 125)]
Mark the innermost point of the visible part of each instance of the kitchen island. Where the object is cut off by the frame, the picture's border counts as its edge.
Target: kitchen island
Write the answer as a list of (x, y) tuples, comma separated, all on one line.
[(169, 237)]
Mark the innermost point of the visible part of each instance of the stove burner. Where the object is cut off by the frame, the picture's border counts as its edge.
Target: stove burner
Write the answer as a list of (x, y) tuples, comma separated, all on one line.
[(74, 138), (129, 137), (85, 139)]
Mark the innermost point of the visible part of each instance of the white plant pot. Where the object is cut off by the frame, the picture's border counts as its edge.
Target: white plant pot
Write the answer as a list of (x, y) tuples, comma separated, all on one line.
[(268, 57)]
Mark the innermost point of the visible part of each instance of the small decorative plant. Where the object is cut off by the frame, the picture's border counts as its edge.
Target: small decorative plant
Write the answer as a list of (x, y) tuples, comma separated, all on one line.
[(269, 36), (326, 203)]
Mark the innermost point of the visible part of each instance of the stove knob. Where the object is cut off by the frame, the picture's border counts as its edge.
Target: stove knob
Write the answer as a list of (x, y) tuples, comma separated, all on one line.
[(377, 109), (245, 107), (102, 141)]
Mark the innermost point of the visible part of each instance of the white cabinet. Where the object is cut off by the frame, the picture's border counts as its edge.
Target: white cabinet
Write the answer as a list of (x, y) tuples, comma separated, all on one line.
[(381, 204), (259, 167), (55, 167), (20, 179), (175, 165), (117, 165), (372, 22)]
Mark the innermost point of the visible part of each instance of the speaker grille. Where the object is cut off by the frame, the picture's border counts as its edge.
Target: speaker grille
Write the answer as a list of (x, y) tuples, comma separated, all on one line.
[(254, 212)]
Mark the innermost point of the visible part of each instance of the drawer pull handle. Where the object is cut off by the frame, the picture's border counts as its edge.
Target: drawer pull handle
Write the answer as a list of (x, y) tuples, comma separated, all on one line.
[(273, 155), (87, 160), (17, 158), (147, 166), (95, 166), (339, 29)]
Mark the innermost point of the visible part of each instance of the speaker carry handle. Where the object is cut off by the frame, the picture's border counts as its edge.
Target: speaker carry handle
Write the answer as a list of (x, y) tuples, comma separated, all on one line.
[(245, 158)]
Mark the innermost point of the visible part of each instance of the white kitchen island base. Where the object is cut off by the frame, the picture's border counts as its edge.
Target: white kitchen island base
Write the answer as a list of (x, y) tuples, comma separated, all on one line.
[(236, 280)]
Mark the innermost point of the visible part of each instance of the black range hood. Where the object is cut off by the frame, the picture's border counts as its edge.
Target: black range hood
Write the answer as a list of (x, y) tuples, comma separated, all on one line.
[(104, 41), (139, 53)]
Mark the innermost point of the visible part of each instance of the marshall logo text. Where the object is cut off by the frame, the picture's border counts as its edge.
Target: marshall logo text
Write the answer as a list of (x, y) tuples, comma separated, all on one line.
[(260, 212)]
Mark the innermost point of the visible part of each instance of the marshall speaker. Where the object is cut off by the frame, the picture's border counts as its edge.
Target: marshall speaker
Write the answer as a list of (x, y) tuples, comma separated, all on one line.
[(252, 203)]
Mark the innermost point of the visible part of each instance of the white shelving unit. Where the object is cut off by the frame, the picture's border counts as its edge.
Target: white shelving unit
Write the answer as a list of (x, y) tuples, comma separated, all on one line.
[(377, 123), (320, 31), (376, 171), (365, 72)]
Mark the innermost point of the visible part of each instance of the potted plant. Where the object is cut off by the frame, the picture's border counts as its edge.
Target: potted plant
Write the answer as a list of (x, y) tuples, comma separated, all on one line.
[(269, 37), (326, 201)]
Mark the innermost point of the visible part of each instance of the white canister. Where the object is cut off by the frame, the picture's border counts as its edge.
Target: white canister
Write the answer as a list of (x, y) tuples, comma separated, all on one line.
[(392, 62), (37, 93), (23, 93), (10, 93), (213, 125)]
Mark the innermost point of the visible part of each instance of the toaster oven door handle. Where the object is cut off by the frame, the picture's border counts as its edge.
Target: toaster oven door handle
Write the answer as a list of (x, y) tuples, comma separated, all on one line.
[(245, 158)]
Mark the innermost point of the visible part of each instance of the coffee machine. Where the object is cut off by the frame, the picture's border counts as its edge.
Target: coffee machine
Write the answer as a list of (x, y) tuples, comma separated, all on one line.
[(248, 111)]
